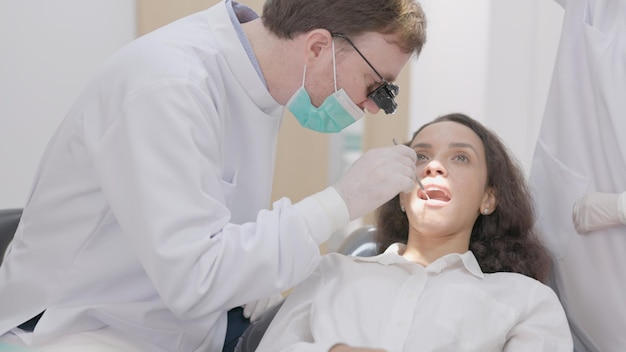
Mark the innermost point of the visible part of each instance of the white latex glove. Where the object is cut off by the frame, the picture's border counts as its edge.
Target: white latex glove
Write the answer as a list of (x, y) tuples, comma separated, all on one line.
[(597, 211), (376, 177), (254, 310)]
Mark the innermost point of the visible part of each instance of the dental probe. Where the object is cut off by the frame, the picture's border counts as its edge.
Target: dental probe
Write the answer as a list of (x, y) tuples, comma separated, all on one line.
[(419, 183)]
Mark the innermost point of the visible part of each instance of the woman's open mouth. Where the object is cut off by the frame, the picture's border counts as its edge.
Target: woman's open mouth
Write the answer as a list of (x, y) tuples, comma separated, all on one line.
[(434, 193)]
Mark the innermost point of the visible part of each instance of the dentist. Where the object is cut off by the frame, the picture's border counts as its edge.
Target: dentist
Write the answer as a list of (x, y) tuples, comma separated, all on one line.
[(148, 217)]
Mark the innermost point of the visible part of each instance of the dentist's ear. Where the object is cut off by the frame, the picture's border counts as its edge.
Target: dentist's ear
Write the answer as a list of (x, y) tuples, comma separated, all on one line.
[(317, 40)]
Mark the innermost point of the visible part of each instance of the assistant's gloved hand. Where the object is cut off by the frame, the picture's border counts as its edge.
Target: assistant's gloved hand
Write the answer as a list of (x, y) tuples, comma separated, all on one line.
[(254, 310), (376, 177), (597, 211)]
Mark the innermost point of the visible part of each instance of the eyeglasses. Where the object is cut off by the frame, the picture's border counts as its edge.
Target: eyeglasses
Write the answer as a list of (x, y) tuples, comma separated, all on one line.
[(385, 93)]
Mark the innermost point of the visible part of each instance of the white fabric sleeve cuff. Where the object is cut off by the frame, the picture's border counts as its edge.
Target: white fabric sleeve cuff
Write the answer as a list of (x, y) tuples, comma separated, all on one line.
[(325, 213), (621, 208)]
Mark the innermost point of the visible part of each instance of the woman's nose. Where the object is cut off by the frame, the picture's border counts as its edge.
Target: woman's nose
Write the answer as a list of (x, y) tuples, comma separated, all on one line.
[(434, 168)]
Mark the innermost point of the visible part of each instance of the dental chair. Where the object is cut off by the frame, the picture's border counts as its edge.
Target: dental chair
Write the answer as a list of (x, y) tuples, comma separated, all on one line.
[(360, 243), (9, 218)]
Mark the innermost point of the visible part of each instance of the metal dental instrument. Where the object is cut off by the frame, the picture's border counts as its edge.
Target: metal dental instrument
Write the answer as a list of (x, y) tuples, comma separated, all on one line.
[(419, 183)]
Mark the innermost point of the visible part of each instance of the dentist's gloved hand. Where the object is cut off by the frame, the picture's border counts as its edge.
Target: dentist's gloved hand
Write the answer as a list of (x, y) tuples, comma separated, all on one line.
[(254, 310), (376, 177), (597, 211)]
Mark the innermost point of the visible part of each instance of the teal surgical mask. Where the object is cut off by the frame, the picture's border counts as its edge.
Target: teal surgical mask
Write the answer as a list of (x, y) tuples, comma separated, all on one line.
[(337, 111)]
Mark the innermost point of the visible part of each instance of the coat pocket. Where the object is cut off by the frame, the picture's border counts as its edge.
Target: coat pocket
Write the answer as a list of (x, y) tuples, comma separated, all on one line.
[(555, 193)]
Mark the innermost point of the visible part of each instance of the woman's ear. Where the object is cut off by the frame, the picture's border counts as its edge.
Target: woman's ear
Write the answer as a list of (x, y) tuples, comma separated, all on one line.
[(401, 201), (489, 203)]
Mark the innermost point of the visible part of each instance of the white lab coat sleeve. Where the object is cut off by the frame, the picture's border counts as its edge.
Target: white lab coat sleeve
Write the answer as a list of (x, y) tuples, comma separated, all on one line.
[(331, 205), (542, 327), (291, 329), (158, 164)]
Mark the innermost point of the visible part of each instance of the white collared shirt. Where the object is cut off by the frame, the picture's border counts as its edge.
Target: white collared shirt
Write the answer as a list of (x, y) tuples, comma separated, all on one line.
[(388, 302)]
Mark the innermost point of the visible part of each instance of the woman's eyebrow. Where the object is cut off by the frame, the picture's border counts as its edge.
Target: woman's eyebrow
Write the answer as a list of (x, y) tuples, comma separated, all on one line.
[(451, 145), (462, 145)]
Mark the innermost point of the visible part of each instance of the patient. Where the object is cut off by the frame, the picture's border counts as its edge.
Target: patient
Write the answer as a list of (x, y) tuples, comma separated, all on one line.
[(459, 271)]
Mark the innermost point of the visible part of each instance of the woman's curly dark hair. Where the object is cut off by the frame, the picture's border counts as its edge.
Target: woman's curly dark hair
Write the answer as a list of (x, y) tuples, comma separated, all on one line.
[(504, 240)]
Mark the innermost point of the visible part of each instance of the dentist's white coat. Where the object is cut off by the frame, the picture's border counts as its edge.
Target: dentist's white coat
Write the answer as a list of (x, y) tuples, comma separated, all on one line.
[(161, 167), (582, 148)]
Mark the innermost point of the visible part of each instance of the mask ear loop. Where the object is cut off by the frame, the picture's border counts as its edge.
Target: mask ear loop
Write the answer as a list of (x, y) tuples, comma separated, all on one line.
[(334, 67), (303, 76)]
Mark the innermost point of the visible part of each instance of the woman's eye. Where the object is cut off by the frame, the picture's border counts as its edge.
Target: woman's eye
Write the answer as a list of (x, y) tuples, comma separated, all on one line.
[(461, 157), (421, 157)]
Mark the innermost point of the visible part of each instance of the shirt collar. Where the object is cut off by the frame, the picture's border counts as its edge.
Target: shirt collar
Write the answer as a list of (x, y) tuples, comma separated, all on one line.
[(392, 255), (239, 14)]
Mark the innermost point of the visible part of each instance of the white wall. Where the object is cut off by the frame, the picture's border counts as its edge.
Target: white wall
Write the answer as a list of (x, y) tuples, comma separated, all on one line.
[(490, 59), (48, 51), (450, 74)]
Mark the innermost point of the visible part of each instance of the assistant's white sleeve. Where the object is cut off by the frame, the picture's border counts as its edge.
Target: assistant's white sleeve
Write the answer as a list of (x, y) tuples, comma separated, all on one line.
[(159, 168), (543, 327), (290, 330)]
